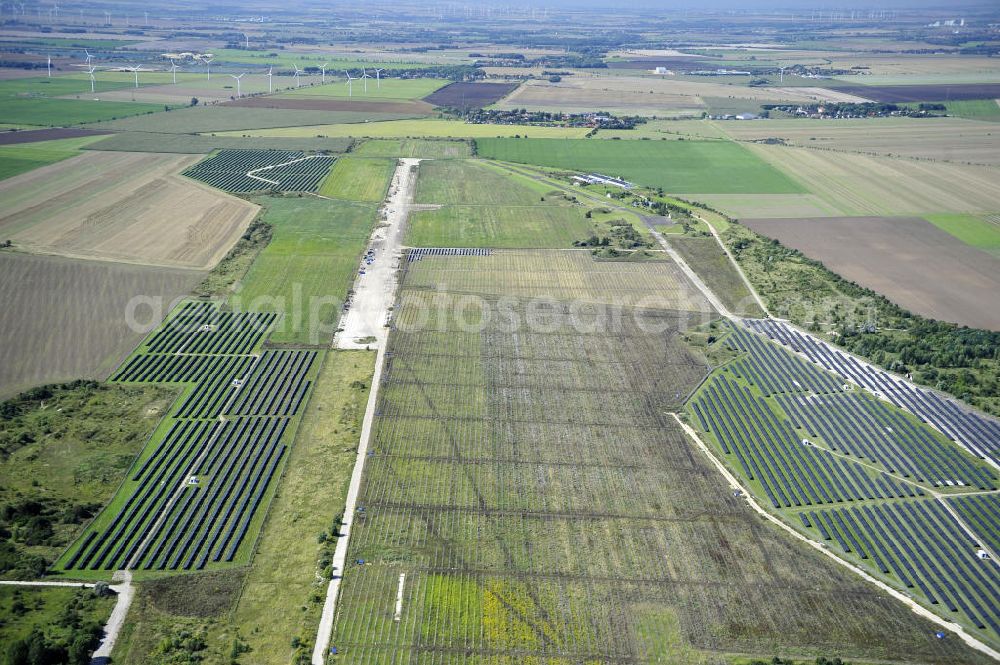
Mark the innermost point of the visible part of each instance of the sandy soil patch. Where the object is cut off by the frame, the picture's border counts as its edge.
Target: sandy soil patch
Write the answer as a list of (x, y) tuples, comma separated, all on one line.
[(122, 206)]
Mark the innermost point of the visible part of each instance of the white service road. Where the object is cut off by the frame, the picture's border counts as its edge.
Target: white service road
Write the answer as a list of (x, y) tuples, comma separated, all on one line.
[(364, 324)]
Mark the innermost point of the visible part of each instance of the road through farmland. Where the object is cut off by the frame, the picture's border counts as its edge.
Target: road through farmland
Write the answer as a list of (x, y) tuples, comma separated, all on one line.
[(374, 294)]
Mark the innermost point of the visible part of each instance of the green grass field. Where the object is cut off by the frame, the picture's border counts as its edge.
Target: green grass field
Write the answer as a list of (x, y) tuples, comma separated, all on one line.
[(975, 109), (22, 157), (498, 226), (681, 167), (483, 206), (358, 179), (45, 112), (424, 128), (982, 231), (429, 149), (474, 182), (389, 88), (311, 260)]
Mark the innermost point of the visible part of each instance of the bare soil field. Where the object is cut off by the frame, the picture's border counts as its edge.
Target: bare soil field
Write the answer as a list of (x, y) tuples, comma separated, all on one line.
[(328, 104), (66, 319), (908, 260), (923, 93), (122, 206), (33, 136), (638, 94), (470, 95), (861, 185), (945, 139)]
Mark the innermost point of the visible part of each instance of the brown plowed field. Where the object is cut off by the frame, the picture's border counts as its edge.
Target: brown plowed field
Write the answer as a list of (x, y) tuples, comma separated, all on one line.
[(10, 138), (906, 259), (321, 104), (470, 95), (122, 206), (896, 94), (65, 319)]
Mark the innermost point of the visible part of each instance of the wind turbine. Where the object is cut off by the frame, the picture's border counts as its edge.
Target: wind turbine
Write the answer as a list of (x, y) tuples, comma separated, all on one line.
[(135, 70), (365, 77), (781, 73), (238, 92), (350, 84), (89, 57), (323, 69), (147, 19), (246, 37), (378, 78), (208, 67), (91, 71), (107, 18), (173, 70), (297, 70), (49, 66), (269, 70)]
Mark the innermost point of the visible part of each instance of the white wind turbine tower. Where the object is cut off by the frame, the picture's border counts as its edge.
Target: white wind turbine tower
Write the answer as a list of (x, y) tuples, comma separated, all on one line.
[(365, 77), (91, 71), (239, 93), (350, 84), (781, 74), (49, 66), (208, 67), (323, 69), (173, 70), (297, 71), (107, 18), (378, 78), (135, 70), (89, 57), (269, 70), (246, 38)]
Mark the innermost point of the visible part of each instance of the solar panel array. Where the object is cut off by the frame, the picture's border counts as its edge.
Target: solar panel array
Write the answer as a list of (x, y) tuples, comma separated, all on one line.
[(977, 432), (192, 499)]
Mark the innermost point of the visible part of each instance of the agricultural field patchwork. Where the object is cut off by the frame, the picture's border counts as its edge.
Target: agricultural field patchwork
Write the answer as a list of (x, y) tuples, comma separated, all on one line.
[(680, 167), (497, 547), (200, 486), (261, 170), (120, 206), (862, 185), (891, 255), (943, 139), (851, 469), (16, 159), (980, 231)]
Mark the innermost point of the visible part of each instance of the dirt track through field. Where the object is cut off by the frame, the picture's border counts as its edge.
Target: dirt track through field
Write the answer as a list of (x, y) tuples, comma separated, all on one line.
[(909, 260), (372, 302), (129, 207)]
